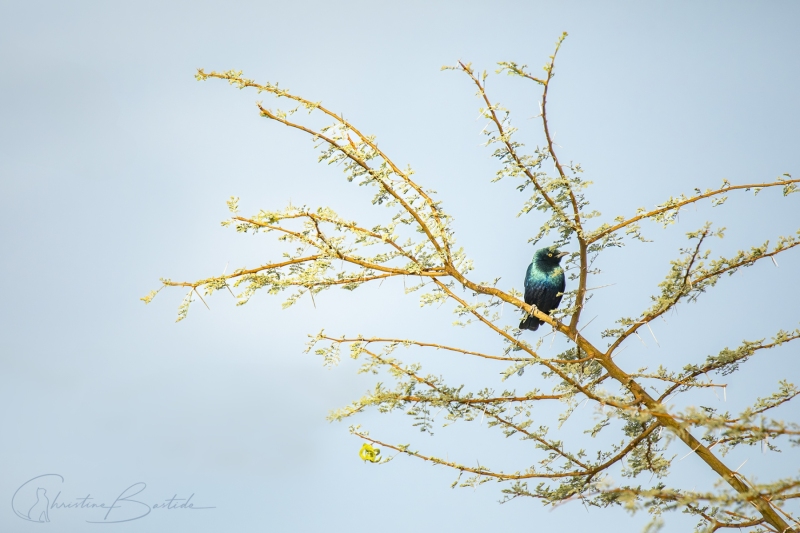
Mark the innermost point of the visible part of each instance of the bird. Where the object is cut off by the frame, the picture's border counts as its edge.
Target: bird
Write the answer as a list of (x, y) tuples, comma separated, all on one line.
[(544, 284)]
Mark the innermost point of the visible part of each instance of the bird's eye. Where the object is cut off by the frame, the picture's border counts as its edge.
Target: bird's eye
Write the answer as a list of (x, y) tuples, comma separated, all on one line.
[(549, 255)]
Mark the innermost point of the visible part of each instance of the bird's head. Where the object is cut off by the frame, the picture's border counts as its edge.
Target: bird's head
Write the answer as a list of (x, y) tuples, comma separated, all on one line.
[(549, 256)]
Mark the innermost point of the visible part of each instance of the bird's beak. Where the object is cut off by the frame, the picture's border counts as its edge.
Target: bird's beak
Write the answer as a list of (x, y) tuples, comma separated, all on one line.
[(562, 254)]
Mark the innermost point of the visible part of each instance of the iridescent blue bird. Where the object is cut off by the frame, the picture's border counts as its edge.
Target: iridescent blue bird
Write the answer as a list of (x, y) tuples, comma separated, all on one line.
[(544, 284)]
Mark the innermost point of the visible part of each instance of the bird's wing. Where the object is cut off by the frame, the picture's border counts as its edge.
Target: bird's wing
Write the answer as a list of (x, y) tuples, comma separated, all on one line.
[(557, 301), (561, 287), (538, 294), (544, 294), (528, 287)]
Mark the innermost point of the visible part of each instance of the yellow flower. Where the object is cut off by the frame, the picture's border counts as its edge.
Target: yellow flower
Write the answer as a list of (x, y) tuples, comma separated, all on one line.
[(368, 453)]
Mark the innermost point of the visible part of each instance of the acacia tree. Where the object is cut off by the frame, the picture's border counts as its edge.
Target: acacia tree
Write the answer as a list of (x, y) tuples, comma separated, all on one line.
[(416, 242)]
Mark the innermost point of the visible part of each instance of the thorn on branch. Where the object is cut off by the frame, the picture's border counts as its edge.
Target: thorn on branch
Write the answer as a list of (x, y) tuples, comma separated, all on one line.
[(641, 339), (690, 453), (653, 334), (201, 298)]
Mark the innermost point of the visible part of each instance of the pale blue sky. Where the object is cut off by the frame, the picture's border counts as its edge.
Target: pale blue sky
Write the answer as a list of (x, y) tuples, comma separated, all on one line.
[(115, 165)]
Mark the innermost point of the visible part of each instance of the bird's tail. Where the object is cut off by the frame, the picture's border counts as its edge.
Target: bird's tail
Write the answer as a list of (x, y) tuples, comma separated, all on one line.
[(531, 323)]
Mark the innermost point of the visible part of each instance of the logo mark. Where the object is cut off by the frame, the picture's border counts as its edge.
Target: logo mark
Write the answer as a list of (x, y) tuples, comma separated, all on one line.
[(37, 498)]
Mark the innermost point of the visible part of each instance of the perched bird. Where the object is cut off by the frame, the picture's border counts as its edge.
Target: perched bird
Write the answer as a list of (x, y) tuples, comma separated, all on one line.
[(544, 284)]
